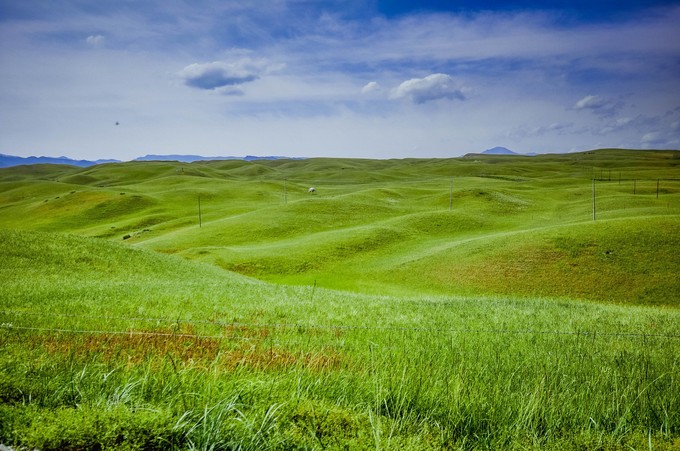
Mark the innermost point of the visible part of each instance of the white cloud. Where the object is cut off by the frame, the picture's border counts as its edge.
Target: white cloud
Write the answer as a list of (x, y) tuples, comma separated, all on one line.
[(651, 137), (657, 140), (557, 127), (601, 106), (372, 86), (95, 40), (589, 102), (616, 125), (432, 87), (225, 74)]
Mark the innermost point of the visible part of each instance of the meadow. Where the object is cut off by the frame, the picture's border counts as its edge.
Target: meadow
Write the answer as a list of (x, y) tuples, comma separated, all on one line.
[(468, 303)]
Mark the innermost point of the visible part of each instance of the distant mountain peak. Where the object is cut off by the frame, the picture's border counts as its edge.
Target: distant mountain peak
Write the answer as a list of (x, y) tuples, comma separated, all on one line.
[(499, 151)]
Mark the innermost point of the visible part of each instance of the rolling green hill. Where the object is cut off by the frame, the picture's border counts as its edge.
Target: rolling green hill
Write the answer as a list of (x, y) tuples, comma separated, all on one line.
[(470, 303), (475, 225)]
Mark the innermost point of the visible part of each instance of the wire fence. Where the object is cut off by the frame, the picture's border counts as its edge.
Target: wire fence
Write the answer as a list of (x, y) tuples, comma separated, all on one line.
[(389, 181), (298, 326), (122, 332)]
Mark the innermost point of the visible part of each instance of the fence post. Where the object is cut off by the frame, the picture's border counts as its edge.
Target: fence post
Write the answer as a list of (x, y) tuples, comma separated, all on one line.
[(593, 199)]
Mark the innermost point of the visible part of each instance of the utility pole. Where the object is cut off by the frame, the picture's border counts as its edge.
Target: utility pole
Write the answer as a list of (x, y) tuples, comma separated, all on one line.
[(593, 199), (451, 195)]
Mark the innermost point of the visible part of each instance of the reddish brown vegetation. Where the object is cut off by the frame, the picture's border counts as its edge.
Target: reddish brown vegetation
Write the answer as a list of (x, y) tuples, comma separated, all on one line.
[(239, 347)]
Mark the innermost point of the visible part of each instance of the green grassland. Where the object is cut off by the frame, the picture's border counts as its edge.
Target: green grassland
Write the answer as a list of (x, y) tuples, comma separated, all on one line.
[(468, 303)]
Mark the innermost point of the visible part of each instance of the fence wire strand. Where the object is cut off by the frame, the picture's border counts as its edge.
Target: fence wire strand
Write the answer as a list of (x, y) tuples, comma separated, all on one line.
[(121, 332), (236, 324)]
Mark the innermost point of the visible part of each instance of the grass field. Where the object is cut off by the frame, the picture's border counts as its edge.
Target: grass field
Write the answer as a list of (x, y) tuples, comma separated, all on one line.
[(469, 303)]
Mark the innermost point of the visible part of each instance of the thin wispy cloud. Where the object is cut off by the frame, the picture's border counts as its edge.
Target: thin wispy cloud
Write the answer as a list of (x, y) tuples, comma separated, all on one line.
[(599, 105)]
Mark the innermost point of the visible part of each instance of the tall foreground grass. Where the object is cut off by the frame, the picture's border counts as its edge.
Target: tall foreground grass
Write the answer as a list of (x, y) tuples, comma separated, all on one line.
[(386, 390), (103, 346)]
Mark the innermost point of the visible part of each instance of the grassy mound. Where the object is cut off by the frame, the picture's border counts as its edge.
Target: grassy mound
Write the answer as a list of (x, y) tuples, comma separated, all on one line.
[(620, 260)]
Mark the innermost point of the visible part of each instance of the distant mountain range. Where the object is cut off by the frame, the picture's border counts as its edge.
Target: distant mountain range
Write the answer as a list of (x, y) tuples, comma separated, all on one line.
[(11, 160)]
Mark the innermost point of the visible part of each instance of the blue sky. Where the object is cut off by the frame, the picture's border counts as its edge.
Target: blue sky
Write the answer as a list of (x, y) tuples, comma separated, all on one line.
[(355, 78)]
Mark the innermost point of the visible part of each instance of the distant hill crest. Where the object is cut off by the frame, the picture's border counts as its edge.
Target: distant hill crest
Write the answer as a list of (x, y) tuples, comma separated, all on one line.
[(192, 158)]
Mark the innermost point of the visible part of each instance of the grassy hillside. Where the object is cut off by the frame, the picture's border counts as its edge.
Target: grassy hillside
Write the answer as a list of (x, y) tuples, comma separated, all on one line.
[(105, 346), (470, 303), (475, 225)]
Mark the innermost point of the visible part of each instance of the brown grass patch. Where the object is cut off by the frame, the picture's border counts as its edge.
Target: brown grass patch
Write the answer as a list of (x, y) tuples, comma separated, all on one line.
[(227, 353), (132, 347)]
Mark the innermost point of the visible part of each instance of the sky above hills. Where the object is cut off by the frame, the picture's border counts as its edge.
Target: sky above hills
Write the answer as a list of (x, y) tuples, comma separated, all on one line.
[(354, 78)]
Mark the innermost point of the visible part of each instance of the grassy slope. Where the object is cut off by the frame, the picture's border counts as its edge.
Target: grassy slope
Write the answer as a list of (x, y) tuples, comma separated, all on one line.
[(280, 366), (418, 373), (520, 226)]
